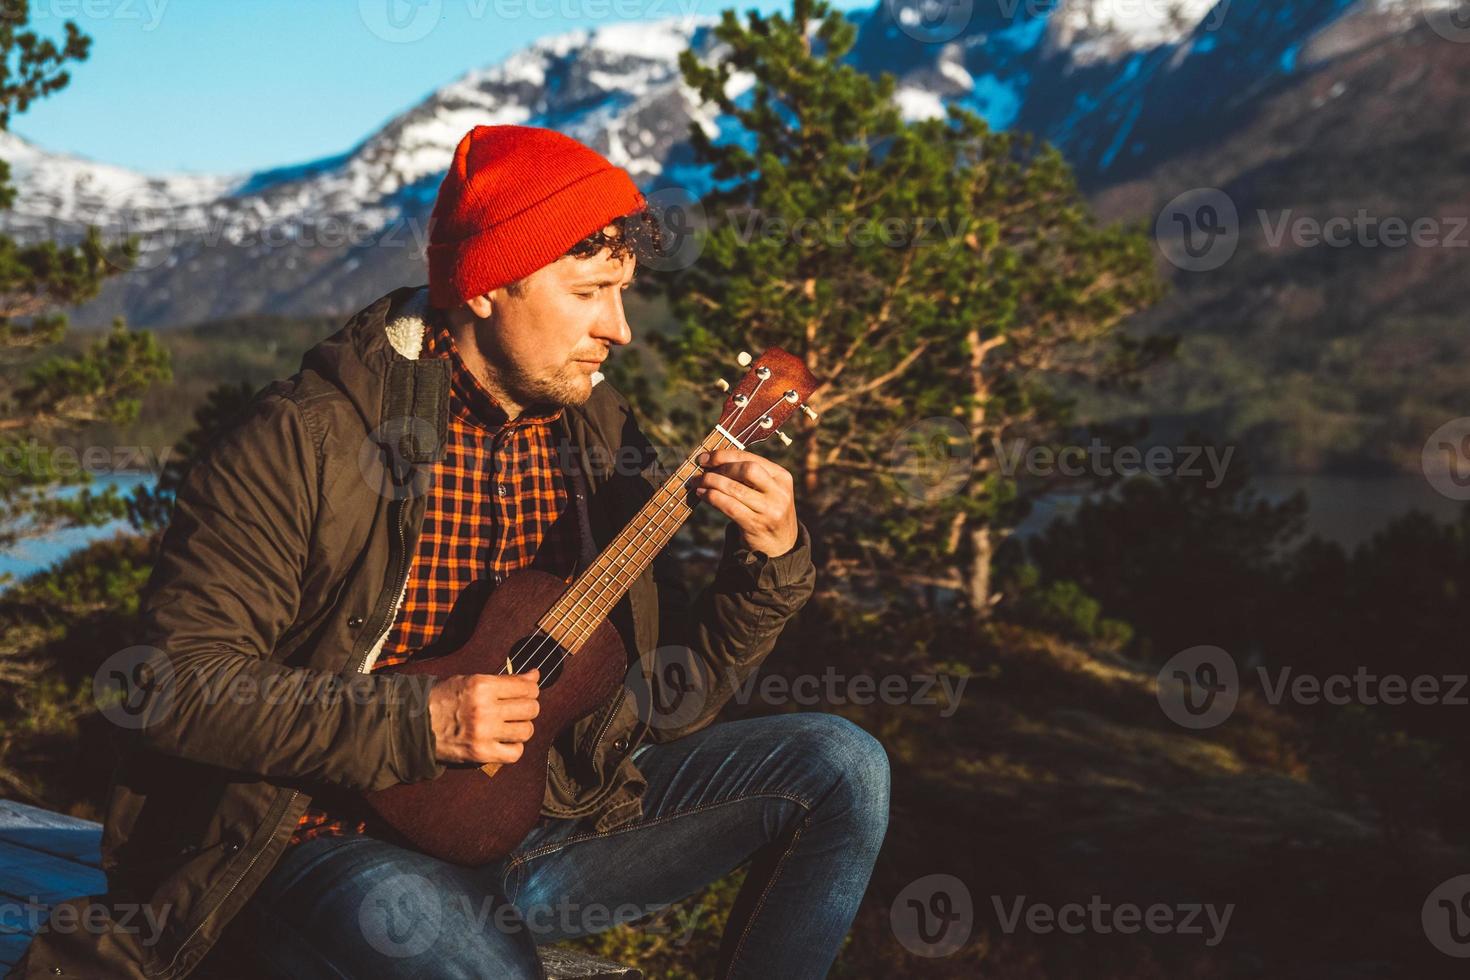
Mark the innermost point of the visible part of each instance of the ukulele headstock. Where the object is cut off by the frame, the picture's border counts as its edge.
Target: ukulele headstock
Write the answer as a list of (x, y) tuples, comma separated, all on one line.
[(776, 385)]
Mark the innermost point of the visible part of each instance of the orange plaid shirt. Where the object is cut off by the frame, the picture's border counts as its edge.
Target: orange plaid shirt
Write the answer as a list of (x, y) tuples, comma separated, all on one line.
[(497, 503)]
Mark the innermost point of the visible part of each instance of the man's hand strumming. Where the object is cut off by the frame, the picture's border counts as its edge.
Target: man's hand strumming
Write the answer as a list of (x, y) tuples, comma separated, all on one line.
[(483, 717)]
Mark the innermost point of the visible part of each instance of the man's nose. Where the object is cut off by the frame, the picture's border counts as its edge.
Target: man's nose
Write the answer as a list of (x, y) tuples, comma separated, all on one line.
[(612, 326)]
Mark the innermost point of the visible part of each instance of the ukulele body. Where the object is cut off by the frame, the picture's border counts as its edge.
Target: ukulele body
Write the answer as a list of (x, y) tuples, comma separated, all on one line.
[(467, 815)]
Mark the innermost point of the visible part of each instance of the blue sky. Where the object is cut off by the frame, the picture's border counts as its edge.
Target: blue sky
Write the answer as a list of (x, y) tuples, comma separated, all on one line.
[(222, 86)]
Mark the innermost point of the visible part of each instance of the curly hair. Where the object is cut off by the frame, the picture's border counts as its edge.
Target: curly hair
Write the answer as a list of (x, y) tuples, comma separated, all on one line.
[(637, 234)]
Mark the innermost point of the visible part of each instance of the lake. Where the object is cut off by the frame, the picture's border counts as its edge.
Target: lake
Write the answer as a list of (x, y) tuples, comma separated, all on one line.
[(31, 555)]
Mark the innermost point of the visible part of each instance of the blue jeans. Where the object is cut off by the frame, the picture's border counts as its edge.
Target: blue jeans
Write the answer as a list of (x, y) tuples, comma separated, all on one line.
[(804, 797)]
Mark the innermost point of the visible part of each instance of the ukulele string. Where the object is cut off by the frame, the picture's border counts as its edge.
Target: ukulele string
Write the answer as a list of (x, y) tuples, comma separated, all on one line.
[(581, 632), (548, 646), (584, 623)]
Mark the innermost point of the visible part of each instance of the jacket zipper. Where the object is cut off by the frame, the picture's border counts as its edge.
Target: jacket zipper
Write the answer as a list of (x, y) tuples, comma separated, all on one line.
[(592, 804), (401, 565), (168, 970), (602, 732)]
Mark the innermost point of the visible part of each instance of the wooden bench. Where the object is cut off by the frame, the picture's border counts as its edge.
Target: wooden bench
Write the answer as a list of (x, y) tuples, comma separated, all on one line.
[(48, 857)]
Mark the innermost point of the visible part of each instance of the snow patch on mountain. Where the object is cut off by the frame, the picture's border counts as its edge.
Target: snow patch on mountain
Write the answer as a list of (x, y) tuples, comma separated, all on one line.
[(1115, 84), (60, 187), (1093, 31), (915, 104)]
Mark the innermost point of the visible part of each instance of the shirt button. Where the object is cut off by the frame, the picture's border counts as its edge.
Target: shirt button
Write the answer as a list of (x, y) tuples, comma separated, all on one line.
[(498, 578), (500, 489)]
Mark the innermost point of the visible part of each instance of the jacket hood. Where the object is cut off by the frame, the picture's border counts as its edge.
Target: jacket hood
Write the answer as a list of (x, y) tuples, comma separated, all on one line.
[(360, 358)]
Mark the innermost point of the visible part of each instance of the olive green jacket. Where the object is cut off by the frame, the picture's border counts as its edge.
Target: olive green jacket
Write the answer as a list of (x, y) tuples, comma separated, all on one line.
[(281, 570)]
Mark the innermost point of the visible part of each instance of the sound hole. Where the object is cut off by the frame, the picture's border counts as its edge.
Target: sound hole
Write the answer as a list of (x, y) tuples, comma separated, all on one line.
[(539, 651)]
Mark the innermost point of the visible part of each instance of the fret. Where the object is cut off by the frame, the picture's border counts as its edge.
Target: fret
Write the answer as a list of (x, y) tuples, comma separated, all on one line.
[(590, 598)]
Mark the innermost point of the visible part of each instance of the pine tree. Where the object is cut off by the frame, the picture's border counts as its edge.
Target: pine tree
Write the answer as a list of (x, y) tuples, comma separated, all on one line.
[(49, 394), (946, 283)]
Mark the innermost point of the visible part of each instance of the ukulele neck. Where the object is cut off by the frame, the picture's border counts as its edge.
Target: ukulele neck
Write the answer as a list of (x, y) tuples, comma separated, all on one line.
[(594, 593)]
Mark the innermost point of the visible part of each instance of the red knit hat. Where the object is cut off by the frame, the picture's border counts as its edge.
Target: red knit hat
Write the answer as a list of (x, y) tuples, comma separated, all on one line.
[(515, 199)]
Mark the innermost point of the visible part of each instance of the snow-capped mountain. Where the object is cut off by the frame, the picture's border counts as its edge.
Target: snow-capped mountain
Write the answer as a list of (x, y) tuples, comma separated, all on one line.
[(1121, 86), (1107, 30)]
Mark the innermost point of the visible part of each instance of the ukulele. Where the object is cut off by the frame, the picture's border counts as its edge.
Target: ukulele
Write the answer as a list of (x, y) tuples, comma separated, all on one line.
[(472, 814)]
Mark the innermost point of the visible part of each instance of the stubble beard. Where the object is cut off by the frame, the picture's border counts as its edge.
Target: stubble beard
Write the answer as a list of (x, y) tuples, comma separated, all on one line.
[(567, 387)]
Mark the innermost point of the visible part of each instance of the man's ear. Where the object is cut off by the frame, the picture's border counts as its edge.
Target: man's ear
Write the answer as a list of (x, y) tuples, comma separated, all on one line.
[(481, 305)]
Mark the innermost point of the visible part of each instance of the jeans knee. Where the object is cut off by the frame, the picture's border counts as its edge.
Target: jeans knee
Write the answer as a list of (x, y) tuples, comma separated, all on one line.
[(858, 766)]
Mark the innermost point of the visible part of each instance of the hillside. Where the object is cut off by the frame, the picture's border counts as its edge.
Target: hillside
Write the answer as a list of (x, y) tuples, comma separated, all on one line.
[(1311, 357)]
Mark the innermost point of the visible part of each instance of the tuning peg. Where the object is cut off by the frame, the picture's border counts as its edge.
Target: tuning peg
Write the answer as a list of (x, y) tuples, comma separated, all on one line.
[(743, 359), (785, 439), (809, 413), (722, 384)]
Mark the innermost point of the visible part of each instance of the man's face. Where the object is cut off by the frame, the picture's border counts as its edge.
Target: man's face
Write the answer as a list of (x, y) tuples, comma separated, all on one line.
[(544, 344)]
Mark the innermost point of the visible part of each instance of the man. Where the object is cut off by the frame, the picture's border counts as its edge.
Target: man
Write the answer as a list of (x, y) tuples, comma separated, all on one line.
[(356, 515)]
